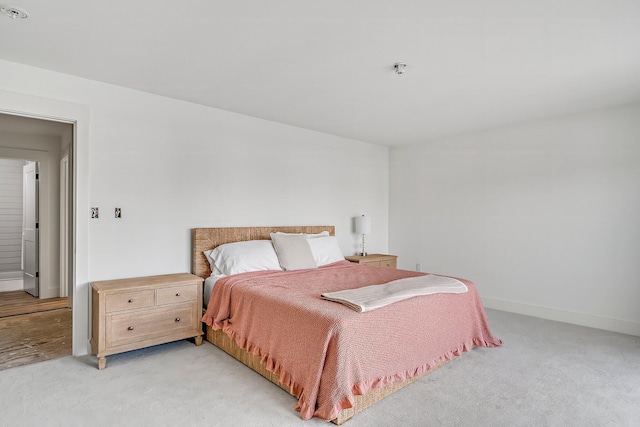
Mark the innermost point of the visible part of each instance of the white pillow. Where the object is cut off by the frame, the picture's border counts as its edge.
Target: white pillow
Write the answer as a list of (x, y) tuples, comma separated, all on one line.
[(325, 250), (322, 233), (243, 257), (294, 252), (212, 266)]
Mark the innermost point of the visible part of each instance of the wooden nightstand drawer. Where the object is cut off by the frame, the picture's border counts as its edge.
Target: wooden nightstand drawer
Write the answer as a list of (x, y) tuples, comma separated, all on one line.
[(130, 300), (177, 294), (389, 263), (132, 327)]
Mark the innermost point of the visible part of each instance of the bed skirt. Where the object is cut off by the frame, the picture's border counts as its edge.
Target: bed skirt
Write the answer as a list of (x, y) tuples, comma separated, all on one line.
[(222, 341)]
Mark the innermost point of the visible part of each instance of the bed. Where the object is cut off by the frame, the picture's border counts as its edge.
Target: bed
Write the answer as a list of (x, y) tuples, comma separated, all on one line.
[(347, 361)]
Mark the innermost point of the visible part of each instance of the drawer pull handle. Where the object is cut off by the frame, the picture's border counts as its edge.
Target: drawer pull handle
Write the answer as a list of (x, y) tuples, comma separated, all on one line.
[(131, 328), (131, 300), (178, 294), (177, 319)]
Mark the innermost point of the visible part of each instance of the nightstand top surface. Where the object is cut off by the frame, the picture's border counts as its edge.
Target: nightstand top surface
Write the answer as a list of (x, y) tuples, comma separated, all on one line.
[(369, 257)]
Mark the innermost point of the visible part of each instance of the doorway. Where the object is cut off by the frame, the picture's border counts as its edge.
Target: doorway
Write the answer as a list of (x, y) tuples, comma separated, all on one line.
[(19, 226), (47, 289)]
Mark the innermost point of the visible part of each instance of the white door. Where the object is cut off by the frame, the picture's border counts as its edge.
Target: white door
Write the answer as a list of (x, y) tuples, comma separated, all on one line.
[(30, 229)]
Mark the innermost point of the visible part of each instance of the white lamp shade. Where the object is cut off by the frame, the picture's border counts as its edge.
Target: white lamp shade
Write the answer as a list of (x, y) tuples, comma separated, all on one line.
[(363, 225)]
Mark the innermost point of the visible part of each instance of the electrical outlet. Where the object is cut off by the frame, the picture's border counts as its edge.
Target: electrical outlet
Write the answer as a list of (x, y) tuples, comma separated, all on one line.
[(95, 212), (418, 267)]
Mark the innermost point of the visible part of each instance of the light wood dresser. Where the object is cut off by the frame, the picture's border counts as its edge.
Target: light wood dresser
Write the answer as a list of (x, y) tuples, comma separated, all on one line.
[(129, 314), (375, 260)]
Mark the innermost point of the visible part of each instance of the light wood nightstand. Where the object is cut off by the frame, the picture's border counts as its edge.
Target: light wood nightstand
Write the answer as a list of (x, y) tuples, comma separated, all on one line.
[(375, 260), (129, 314)]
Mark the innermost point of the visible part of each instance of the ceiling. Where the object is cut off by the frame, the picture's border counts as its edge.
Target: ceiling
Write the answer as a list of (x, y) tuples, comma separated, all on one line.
[(328, 65)]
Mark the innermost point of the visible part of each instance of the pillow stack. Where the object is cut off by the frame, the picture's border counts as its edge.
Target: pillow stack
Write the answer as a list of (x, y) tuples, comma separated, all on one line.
[(285, 251)]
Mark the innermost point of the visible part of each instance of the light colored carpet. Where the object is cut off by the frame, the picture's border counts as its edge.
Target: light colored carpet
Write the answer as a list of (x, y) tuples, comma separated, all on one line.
[(545, 374)]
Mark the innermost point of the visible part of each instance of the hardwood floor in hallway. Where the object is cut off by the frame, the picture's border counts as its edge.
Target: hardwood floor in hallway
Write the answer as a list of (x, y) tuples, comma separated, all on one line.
[(35, 337), (33, 329), (19, 302)]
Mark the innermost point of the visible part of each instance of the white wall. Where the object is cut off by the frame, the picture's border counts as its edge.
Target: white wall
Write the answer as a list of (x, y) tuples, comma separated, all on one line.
[(189, 166), (544, 217), (172, 166)]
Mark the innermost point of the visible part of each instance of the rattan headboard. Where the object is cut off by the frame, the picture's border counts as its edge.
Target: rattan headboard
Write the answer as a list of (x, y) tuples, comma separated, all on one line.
[(203, 239)]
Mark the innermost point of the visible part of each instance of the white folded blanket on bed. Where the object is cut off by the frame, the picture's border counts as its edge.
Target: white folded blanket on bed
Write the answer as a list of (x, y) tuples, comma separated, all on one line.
[(371, 297)]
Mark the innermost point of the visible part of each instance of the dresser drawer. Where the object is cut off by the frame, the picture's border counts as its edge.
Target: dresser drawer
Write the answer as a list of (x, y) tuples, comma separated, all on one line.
[(177, 294), (128, 328), (129, 300)]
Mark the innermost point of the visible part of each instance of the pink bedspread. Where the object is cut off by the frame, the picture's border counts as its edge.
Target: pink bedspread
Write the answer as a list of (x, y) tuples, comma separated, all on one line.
[(325, 352)]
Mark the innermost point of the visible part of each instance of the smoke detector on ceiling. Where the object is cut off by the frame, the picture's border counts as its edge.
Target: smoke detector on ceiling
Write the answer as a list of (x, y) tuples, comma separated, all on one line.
[(14, 12), (399, 67)]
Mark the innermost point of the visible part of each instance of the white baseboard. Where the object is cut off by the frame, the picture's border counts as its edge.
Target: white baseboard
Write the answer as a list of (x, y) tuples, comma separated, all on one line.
[(11, 285), (589, 320)]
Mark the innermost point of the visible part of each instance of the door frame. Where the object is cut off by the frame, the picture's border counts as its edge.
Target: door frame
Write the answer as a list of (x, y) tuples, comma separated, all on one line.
[(66, 217), (78, 115)]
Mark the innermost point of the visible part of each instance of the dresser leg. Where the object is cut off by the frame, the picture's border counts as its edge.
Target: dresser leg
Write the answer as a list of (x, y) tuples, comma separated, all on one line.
[(102, 362), (198, 340)]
